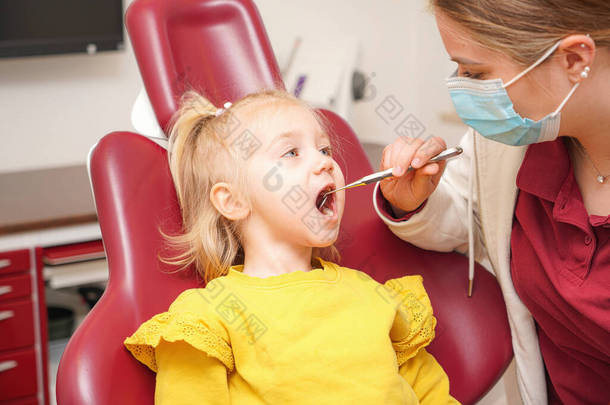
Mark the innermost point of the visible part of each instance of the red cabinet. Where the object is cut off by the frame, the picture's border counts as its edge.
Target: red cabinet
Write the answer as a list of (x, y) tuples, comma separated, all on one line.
[(18, 375), (23, 329), (41, 209), (14, 261), (15, 286), (17, 320)]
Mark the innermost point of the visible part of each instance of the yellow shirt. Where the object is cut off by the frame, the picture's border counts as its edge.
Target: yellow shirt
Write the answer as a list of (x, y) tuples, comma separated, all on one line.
[(331, 335)]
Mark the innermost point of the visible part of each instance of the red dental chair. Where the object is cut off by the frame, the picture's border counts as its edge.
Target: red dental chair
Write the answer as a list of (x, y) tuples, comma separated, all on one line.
[(220, 48)]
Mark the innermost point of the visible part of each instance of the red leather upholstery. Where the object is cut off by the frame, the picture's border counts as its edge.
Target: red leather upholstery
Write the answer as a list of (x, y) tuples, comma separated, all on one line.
[(221, 48)]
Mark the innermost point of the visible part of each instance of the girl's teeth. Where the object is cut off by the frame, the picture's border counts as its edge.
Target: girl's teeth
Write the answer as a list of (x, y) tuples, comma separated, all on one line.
[(327, 211)]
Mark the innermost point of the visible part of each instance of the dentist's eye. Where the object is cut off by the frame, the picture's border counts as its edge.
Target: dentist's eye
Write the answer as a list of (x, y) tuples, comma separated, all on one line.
[(291, 151), (472, 75), (328, 150)]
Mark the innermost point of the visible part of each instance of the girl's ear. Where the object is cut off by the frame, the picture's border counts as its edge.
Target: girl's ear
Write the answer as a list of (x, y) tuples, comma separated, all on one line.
[(227, 201)]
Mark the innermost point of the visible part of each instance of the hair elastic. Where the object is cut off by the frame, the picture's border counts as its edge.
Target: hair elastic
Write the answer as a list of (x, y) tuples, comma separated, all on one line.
[(226, 106)]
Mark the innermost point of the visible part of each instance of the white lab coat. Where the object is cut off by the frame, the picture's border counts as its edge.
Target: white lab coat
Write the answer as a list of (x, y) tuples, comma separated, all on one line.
[(483, 178)]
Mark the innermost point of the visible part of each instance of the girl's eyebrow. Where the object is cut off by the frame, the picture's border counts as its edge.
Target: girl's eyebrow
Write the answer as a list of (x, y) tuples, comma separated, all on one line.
[(289, 134), (278, 138)]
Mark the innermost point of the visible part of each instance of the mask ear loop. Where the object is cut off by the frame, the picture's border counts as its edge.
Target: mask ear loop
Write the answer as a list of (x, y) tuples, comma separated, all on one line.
[(565, 100), (538, 62)]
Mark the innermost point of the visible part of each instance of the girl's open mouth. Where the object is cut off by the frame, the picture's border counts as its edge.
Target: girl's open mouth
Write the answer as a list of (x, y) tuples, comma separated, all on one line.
[(328, 209)]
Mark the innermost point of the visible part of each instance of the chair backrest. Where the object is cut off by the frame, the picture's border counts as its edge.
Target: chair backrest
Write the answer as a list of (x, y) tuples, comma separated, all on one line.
[(221, 49), (218, 47)]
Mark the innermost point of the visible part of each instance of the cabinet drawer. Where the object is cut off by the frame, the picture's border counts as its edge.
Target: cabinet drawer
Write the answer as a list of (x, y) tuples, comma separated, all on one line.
[(15, 286), (15, 260), (17, 374), (17, 324)]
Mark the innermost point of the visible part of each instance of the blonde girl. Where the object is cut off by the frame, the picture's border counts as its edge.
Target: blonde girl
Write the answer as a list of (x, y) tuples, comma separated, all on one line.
[(278, 321)]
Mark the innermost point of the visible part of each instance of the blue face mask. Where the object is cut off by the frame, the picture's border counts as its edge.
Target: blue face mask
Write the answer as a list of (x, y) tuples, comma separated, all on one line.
[(485, 106)]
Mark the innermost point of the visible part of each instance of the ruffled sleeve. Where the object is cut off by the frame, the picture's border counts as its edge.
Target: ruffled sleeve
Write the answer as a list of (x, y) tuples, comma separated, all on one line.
[(190, 319), (414, 324)]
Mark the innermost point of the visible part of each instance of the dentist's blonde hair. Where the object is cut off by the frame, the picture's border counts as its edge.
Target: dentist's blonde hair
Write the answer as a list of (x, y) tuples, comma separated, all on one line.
[(525, 29), (200, 155)]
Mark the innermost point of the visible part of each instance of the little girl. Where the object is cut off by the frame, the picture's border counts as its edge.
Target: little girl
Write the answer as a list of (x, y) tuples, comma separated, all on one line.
[(279, 322)]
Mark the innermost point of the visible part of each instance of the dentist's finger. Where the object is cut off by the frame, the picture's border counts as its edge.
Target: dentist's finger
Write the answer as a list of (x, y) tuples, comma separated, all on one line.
[(436, 178), (430, 169), (385, 156), (402, 154), (430, 148)]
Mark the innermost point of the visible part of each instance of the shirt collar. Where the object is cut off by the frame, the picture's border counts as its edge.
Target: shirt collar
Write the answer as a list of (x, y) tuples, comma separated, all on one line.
[(329, 272), (545, 167)]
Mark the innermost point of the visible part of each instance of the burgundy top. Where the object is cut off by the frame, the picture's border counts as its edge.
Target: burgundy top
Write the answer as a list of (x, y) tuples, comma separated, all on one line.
[(560, 265)]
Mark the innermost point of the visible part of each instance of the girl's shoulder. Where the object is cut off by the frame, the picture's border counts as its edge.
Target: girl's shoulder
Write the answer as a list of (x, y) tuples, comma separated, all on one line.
[(400, 288), (192, 318), (202, 300), (194, 300), (414, 321)]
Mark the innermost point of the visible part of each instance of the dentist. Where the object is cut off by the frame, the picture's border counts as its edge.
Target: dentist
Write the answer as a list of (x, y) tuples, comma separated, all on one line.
[(530, 197)]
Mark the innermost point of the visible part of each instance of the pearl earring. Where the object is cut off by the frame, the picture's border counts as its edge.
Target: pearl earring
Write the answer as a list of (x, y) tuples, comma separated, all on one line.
[(585, 73)]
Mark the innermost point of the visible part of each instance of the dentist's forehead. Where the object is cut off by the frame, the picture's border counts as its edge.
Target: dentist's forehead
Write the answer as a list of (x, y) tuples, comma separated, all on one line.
[(461, 45)]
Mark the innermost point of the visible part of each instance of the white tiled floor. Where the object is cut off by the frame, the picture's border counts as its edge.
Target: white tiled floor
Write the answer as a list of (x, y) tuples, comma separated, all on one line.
[(56, 349)]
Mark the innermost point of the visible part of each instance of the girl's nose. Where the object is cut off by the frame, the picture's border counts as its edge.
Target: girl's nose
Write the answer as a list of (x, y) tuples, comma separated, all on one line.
[(324, 163)]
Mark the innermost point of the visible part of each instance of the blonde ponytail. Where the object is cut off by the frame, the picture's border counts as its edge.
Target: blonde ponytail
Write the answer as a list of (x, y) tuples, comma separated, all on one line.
[(199, 156)]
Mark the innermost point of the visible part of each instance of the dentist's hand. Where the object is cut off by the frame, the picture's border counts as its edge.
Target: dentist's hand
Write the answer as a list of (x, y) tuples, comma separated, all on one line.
[(408, 191)]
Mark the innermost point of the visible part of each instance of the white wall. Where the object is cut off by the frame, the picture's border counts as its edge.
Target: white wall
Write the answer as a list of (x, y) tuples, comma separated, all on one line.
[(400, 47), (54, 108)]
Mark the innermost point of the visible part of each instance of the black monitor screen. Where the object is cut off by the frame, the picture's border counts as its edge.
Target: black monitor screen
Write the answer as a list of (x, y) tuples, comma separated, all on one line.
[(39, 27)]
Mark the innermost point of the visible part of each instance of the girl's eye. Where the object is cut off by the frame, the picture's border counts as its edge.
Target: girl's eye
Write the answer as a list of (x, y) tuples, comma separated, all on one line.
[(290, 151), (293, 152)]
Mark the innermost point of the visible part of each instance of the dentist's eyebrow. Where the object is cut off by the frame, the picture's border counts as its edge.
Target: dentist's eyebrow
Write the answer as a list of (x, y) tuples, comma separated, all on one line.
[(465, 61)]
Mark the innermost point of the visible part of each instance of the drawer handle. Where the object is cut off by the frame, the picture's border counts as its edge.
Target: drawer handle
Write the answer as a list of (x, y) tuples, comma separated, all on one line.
[(5, 289), (7, 365), (5, 263), (6, 314)]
